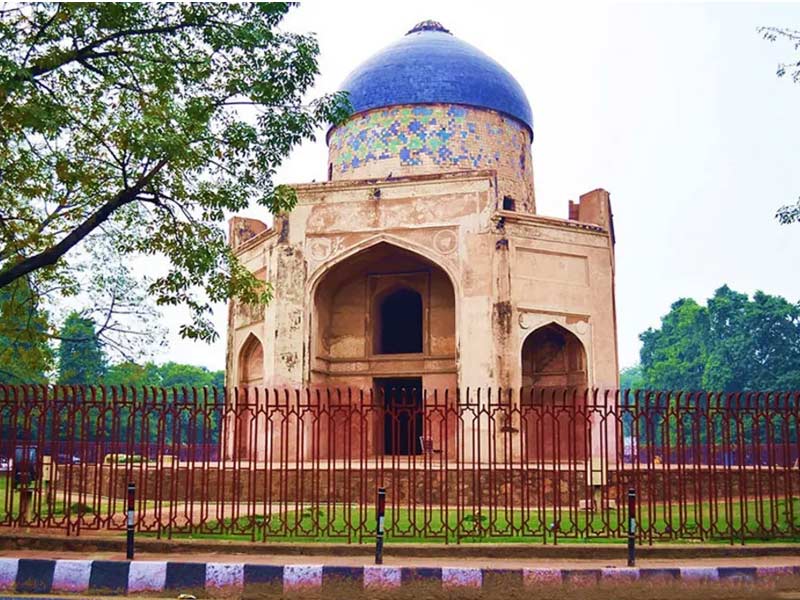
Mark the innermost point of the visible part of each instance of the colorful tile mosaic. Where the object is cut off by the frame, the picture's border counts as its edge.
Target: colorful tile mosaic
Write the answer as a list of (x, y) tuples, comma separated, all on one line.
[(443, 135)]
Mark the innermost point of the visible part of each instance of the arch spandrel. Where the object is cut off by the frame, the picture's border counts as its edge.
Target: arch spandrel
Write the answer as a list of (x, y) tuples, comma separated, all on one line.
[(339, 252)]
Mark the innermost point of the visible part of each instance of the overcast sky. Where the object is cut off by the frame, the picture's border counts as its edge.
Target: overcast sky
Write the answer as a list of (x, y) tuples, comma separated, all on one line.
[(674, 109)]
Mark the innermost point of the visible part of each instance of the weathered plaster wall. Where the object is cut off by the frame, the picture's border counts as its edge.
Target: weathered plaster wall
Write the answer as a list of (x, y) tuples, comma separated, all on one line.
[(563, 274), (489, 278)]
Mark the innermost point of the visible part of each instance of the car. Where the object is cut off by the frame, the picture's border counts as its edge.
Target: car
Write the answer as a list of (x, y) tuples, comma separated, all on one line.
[(65, 459), (6, 464)]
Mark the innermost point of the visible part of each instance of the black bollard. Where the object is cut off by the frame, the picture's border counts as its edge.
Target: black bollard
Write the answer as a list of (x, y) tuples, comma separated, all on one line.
[(131, 500), (631, 527), (381, 513)]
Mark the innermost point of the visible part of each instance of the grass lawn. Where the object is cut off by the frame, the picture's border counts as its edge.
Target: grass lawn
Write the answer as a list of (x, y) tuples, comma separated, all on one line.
[(708, 521), (90, 505), (342, 523)]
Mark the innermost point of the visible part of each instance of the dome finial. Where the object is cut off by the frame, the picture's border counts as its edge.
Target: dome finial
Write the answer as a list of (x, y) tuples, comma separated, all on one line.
[(428, 25)]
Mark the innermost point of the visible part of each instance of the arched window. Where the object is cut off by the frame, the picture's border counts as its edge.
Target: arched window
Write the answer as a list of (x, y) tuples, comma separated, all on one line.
[(251, 362), (399, 326)]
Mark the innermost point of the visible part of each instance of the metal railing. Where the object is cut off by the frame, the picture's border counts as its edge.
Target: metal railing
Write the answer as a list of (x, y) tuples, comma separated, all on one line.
[(458, 465)]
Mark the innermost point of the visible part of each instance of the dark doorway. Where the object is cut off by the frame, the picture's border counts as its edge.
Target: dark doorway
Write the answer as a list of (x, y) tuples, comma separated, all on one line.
[(400, 323), (402, 421)]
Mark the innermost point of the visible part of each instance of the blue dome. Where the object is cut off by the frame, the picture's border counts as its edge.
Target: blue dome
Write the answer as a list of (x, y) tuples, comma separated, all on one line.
[(429, 65)]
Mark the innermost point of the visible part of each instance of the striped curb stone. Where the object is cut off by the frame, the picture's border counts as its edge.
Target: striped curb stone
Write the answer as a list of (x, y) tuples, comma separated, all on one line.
[(664, 574), (224, 575), (382, 577), (540, 576), (38, 576), (35, 576), (700, 573), (302, 576), (621, 574), (462, 577), (107, 576), (351, 574), (147, 576), (739, 573), (262, 575), (8, 573), (71, 575)]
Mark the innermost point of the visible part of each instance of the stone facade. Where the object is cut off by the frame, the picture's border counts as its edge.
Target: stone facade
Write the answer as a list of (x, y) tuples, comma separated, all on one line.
[(489, 278)]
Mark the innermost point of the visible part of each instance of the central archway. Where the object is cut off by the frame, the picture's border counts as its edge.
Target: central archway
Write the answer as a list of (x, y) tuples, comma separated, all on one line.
[(381, 318)]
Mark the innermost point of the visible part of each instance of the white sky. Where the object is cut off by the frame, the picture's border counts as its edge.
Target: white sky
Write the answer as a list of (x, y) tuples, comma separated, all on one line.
[(674, 109)]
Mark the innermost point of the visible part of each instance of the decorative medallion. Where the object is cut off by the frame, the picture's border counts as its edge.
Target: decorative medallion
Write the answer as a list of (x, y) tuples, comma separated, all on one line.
[(320, 249), (445, 241)]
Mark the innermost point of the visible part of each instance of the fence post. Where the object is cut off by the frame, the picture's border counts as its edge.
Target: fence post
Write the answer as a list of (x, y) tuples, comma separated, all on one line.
[(131, 500), (631, 527), (381, 513)]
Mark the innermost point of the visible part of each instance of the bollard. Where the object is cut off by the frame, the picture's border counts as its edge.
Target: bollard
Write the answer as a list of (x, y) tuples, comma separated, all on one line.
[(381, 513), (131, 499), (631, 527)]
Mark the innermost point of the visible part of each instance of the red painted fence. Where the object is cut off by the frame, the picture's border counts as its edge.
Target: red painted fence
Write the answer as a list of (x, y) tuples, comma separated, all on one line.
[(458, 465)]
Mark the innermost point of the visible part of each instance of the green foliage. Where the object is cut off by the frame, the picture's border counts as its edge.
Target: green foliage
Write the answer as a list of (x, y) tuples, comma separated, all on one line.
[(132, 374), (175, 377), (169, 375), (673, 356), (733, 344), (631, 378), (149, 122), (25, 355), (81, 359)]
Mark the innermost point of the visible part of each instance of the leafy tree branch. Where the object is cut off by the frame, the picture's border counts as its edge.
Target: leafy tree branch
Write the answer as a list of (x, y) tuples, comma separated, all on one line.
[(155, 121)]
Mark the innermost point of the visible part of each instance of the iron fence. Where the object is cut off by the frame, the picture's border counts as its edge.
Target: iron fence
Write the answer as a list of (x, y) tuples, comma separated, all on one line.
[(457, 465)]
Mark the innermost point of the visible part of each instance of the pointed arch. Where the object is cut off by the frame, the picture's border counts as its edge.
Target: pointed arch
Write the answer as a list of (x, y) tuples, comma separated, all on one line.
[(347, 310), (251, 362), (553, 359), (423, 252)]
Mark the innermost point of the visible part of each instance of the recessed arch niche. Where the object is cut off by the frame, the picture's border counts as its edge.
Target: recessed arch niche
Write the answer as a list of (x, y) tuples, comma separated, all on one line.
[(376, 311), (554, 373), (251, 362), (553, 361)]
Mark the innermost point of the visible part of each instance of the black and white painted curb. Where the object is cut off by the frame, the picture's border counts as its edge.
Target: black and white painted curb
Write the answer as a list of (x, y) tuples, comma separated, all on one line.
[(23, 575)]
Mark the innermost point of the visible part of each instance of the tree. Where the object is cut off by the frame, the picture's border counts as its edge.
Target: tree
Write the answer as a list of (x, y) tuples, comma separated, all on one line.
[(25, 355), (146, 123), (733, 344), (81, 359), (177, 377), (167, 375), (131, 374), (755, 344), (673, 356), (791, 212)]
